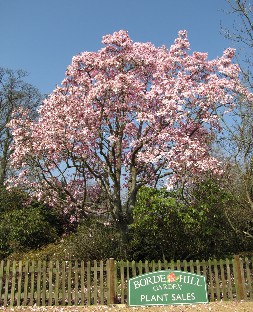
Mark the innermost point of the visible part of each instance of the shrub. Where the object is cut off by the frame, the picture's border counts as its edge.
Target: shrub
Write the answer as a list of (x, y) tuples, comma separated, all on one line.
[(25, 224), (95, 240)]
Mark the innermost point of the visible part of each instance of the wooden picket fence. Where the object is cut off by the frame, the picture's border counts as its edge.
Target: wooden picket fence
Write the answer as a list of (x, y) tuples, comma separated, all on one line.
[(78, 283)]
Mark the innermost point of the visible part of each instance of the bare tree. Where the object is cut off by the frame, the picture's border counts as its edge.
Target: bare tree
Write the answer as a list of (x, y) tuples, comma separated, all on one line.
[(241, 35), (14, 93), (238, 138)]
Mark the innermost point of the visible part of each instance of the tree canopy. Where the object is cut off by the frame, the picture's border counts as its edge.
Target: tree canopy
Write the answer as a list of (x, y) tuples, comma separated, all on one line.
[(126, 116)]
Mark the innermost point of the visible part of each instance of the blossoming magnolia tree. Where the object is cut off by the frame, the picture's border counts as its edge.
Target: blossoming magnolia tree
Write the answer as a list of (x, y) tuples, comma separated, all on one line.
[(126, 116)]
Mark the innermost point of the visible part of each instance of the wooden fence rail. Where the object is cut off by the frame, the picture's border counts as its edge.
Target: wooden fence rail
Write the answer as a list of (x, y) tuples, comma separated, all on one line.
[(97, 282)]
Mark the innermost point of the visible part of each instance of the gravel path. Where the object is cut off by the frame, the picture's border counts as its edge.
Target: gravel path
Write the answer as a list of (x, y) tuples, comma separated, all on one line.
[(231, 306)]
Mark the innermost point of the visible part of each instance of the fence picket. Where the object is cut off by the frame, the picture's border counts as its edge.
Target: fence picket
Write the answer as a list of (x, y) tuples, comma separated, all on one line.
[(238, 277), (191, 266), (185, 264), (13, 283), (204, 268), (95, 281), (115, 281), (146, 266), (179, 265), (7, 272), (82, 282), (229, 281), (38, 283), (128, 271), (1, 279), (243, 285), (50, 282), (63, 282), (140, 267), (56, 290), (19, 284), (88, 291), (216, 279), (31, 294), (204, 272), (76, 288), (69, 288), (44, 283), (101, 270), (122, 281), (223, 285), (211, 290), (26, 283)]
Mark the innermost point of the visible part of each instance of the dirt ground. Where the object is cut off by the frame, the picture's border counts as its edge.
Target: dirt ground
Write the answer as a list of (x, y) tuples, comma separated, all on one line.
[(231, 306)]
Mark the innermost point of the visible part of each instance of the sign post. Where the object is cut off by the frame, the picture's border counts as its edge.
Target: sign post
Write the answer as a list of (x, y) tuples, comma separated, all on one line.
[(167, 287)]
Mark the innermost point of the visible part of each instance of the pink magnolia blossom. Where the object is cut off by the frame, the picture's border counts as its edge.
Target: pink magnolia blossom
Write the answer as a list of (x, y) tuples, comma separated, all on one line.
[(126, 116)]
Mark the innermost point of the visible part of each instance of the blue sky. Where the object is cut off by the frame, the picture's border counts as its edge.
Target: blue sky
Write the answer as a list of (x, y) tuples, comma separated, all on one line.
[(42, 36)]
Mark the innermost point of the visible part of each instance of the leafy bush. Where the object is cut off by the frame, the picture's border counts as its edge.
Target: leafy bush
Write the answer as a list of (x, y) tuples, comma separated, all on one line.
[(11, 200), (157, 232), (24, 229), (167, 226), (25, 225), (206, 215)]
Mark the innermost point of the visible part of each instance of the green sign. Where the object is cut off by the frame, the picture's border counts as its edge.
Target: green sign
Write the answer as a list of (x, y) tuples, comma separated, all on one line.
[(167, 287)]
